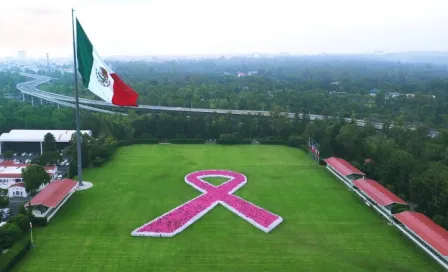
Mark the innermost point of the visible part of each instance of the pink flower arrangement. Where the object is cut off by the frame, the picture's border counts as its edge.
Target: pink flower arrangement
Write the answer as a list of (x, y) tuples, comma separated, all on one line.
[(179, 218)]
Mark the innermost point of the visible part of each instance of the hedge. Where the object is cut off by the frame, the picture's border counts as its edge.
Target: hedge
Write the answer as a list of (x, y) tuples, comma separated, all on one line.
[(39, 221), (274, 142), (187, 141), (14, 254), (233, 142), (138, 141)]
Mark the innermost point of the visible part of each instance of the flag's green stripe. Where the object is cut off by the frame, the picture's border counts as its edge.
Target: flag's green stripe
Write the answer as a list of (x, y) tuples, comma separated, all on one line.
[(84, 54)]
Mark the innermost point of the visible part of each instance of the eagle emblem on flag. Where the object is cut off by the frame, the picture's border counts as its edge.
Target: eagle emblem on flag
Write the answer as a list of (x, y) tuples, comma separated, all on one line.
[(103, 77)]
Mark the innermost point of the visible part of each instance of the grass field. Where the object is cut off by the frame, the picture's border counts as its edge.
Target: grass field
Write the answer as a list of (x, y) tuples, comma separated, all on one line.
[(325, 228)]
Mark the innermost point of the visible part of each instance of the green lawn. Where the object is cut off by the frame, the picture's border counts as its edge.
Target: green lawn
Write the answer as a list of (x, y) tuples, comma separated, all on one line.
[(325, 226)]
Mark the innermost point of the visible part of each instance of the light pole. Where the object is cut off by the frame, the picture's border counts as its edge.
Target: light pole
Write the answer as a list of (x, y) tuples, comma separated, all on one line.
[(31, 234)]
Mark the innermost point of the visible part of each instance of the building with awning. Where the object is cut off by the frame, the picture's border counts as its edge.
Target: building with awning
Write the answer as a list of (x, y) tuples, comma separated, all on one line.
[(51, 198), (380, 197), (343, 170), (429, 236)]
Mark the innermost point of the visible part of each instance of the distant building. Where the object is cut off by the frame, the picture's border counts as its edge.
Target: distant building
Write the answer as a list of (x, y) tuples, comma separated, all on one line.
[(411, 95), (17, 190), (374, 92), (11, 173), (392, 95), (30, 140), (241, 74)]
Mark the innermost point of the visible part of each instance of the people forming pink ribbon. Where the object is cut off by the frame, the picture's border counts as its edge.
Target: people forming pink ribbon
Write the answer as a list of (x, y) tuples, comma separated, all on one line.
[(179, 218)]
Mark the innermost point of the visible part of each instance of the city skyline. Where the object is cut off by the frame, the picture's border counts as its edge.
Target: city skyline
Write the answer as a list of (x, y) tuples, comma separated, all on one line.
[(199, 27)]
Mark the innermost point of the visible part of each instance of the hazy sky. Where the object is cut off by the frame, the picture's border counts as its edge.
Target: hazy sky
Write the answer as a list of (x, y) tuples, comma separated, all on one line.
[(153, 27)]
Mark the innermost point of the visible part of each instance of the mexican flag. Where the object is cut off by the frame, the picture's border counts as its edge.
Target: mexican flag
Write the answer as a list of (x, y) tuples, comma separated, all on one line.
[(99, 78)]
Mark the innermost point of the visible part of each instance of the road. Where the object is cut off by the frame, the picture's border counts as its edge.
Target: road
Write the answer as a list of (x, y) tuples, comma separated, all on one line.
[(30, 88)]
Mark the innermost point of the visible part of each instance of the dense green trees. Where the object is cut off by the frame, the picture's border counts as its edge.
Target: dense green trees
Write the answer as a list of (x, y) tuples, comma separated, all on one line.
[(409, 162), (9, 234), (34, 176), (321, 85), (49, 143)]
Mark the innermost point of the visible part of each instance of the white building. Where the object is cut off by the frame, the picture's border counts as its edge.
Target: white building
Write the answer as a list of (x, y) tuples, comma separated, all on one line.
[(17, 190), (11, 173), (20, 136)]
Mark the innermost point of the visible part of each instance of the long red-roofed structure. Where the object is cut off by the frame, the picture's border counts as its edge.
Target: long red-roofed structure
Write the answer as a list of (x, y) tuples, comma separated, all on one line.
[(53, 193), (377, 192), (426, 229), (343, 167)]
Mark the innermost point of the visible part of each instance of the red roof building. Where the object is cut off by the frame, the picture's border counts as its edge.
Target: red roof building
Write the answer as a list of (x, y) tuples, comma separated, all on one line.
[(377, 192), (342, 167), (9, 169), (18, 184), (432, 234), (53, 194)]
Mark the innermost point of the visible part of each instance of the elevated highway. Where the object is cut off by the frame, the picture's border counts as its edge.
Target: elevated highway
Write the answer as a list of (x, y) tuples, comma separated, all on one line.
[(30, 88)]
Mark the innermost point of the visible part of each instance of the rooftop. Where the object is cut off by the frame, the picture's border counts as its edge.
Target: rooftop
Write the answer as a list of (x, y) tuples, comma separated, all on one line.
[(26, 135), (18, 184), (377, 192), (426, 229), (9, 169), (343, 167), (53, 193)]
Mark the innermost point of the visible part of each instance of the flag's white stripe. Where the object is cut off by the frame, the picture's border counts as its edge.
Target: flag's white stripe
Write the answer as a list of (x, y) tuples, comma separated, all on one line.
[(105, 93)]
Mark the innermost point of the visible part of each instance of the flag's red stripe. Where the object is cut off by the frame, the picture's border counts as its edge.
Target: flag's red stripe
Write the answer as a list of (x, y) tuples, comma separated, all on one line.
[(123, 94)]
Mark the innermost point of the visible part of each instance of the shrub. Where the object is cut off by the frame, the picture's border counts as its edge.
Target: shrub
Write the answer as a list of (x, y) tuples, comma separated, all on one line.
[(22, 221), (25, 211), (39, 221), (273, 142), (15, 254), (231, 138), (187, 141), (295, 141), (98, 161), (8, 154), (9, 234), (138, 141)]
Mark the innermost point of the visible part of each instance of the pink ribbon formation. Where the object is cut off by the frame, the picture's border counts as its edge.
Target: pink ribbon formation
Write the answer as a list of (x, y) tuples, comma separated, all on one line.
[(179, 218)]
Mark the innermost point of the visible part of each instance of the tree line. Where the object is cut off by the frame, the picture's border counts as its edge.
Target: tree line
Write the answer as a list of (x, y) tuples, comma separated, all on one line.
[(327, 86), (409, 163)]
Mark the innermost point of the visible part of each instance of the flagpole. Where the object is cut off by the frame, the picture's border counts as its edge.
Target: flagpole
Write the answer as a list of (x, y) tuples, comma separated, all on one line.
[(78, 132)]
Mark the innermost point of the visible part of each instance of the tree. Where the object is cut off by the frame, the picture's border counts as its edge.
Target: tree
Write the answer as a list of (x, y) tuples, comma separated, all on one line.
[(349, 138), (380, 98), (49, 143), (48, 158), (22, 221), (9, 234), (34, 176), (398, 170), (429, 190), (4, 199), (8, 154)]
